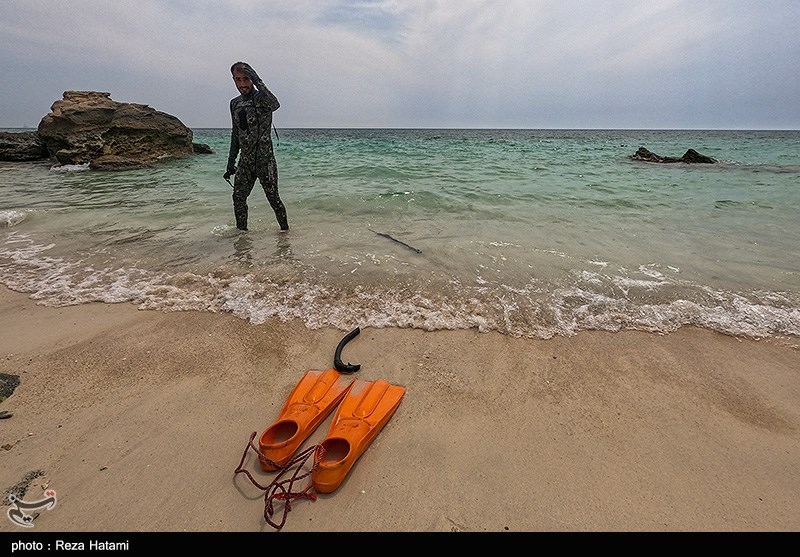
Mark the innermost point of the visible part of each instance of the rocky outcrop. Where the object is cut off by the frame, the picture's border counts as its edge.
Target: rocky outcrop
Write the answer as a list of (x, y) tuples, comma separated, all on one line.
[(90, 127), (691, 156), (21, 146)]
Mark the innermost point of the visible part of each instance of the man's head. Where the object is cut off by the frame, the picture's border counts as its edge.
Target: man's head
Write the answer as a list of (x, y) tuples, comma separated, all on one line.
[(243, 83)]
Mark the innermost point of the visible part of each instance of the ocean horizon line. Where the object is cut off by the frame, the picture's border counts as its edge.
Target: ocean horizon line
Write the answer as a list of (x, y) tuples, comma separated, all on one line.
[(411, 128), (457, 128)]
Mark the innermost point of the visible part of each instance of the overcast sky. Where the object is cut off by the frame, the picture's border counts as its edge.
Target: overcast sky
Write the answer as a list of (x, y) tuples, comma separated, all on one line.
[(722, 64)]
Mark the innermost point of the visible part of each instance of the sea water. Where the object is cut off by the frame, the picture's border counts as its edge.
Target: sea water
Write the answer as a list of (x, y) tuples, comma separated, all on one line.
[(530, 233)]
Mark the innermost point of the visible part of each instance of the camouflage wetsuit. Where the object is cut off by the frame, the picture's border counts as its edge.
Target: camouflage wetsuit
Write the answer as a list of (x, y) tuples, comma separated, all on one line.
[(251, 123)]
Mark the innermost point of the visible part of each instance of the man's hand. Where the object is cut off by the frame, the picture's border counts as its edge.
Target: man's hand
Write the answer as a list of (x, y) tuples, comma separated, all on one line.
[(251, 73), (231, 170)]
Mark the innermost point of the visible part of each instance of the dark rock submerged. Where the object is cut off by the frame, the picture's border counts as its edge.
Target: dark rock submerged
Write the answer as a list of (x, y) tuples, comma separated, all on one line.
[(691, 156), (21, 146)]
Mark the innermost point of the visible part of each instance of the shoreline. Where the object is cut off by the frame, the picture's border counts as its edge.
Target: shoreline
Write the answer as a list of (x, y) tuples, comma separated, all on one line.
[(138, 419)]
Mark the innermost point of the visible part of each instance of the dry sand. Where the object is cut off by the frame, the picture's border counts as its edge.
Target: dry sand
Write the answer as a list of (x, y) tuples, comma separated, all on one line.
[(137, 420)]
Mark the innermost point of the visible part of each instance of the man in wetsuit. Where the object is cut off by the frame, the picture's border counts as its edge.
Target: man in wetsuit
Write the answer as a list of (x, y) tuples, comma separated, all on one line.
[(251, 123)]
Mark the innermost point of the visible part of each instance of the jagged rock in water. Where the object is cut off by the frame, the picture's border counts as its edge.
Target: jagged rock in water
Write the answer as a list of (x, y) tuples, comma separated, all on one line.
[(22, 146), (691, 156), (202, 148), (90, 127)]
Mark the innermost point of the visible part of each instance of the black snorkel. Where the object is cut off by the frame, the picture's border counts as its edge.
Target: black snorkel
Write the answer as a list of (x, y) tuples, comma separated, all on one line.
[(337, 358)]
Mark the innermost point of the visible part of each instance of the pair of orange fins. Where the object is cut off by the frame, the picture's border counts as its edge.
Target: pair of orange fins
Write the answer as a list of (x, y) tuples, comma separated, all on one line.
[(364, 407)]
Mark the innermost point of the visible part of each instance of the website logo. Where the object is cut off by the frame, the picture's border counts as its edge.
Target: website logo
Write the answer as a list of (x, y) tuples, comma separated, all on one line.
[(22, 512)]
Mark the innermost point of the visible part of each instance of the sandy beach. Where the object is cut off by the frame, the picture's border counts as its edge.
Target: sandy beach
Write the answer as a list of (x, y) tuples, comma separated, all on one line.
[(137, 420)]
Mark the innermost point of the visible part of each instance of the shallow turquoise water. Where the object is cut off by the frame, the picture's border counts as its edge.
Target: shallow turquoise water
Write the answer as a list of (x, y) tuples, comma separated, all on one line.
[(530, 233)]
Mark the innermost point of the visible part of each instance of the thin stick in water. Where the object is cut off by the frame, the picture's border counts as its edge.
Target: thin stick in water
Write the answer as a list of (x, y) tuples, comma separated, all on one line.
[(412, 248)]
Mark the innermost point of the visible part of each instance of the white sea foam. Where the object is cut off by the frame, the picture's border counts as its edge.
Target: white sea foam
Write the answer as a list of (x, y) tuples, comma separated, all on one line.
[(651, 271), (598, 263), (223, 230), (70, 167), (523, 312), (11, 217)]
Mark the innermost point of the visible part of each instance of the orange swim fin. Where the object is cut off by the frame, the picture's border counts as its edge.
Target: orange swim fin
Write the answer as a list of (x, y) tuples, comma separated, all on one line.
[(311, 401), (364, 411)]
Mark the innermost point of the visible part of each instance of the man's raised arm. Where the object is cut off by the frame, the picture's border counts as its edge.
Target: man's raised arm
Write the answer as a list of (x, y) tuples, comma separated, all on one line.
[(269, 100)]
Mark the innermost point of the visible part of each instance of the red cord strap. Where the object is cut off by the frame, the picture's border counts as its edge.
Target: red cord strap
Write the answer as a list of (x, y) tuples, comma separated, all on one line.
[(281, 489)]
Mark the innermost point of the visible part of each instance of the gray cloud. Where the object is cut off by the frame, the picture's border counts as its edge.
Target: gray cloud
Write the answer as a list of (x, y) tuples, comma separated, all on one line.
[(435, 63)]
